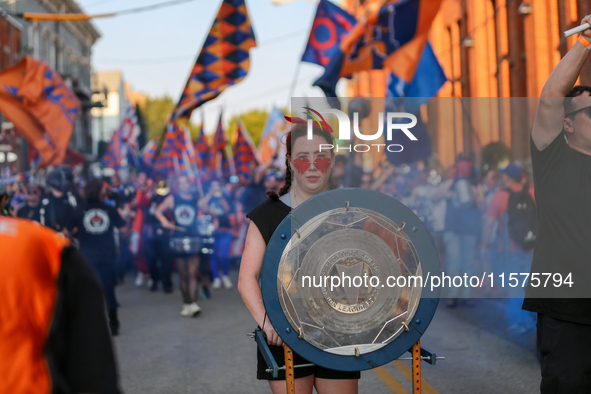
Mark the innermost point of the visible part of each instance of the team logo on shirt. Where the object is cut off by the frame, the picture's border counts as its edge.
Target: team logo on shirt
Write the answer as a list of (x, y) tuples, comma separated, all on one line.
[(184, 214), (96, 221)]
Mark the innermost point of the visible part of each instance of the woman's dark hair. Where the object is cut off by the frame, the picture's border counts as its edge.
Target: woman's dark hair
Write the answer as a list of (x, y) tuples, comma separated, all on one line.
[(92, 189), (297, 131)]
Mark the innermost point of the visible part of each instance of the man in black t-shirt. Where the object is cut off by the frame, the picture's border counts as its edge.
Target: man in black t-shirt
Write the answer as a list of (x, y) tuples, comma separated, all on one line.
[(58, 205), (95, 222), (561, 159)]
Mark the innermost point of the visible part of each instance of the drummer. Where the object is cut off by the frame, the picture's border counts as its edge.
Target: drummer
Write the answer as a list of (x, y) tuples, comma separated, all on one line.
[(310, 171), (184, 206)]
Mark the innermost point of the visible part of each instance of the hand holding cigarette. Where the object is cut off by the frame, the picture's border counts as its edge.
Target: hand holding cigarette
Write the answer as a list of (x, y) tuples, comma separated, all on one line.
[(584, 27), (576, 30)]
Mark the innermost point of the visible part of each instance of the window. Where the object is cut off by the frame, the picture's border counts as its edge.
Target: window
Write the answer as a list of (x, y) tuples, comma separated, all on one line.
[(52, 54), (60, 58), (45, 48)]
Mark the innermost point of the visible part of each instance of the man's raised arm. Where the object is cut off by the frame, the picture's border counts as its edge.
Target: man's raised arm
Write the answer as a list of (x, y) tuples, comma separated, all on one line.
[(550, 114)]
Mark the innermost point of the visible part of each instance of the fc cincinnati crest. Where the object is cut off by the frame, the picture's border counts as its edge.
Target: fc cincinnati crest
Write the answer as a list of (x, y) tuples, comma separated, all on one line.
[(184, 214), (96, 221)]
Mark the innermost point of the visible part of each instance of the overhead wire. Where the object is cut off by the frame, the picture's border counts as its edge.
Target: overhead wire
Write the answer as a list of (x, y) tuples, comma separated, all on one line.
[(35, 16), (152, 7), (274, 90), (171, 59)]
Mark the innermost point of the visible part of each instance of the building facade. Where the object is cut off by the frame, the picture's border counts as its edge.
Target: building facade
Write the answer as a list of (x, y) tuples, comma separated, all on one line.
[(110, 87), (11, 147), (66, 47), (497, 55)]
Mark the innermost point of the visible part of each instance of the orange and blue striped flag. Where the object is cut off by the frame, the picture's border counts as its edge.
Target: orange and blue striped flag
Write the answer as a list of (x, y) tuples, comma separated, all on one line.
[(148, 153), (272, 142), (224, 59), (41, 106), (170, 160), (218, 159), (245, 152), (392, 37), (201, 149), (122, 150)]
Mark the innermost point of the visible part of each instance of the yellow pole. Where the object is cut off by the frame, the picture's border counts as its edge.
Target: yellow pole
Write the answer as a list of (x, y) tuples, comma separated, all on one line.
[(289, 372), (416, 367)]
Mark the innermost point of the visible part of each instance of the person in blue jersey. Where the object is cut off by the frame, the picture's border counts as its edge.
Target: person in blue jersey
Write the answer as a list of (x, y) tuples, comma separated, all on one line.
[(184, 208)]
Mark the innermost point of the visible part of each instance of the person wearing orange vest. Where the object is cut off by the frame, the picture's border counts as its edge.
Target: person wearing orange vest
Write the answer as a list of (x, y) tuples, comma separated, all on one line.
[(54, 336)]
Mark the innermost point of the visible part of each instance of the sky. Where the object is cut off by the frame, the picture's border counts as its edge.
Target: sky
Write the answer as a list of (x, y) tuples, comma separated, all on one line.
[(156, 50)]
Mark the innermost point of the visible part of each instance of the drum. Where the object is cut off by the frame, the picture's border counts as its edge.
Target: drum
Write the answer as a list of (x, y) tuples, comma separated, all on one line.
[(206, 228), (186, 245)]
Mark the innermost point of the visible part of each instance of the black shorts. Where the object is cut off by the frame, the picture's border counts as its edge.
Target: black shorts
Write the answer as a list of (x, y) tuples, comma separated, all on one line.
[(318, 371)]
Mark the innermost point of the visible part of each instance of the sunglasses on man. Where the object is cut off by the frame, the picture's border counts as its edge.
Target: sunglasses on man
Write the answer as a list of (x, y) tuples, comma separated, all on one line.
[(586, 109)]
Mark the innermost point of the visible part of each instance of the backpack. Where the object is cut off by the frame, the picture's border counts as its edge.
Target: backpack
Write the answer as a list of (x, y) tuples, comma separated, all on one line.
[(522, 218)]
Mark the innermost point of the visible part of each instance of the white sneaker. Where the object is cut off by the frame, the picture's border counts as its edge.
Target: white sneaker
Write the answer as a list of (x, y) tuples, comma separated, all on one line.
[(194, 309), (139, 279), (227, 282), (216, 284), (149, 283), (186, 311)]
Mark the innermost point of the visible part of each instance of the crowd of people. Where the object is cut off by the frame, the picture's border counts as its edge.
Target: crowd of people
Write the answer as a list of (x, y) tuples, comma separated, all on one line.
[(198, 226), (150, 226), (482, 220)]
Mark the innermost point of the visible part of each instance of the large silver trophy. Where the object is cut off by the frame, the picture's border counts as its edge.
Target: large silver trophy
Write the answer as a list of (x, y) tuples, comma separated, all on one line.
[(345, 280)]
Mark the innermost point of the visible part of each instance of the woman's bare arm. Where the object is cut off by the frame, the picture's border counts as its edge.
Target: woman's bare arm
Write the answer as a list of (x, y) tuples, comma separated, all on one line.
[(248, 281), (165, 205)]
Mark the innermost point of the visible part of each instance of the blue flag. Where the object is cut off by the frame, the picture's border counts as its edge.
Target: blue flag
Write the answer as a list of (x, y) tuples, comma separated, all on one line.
[(330, 25), (428, 79), (413, 151), (392, 37)]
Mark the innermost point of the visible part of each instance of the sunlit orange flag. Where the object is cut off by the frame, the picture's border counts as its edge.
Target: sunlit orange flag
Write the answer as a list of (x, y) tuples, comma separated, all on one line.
[(41, 106)]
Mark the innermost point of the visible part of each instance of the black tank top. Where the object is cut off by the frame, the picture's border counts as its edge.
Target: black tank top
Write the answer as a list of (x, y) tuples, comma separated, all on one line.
[(267, 216), (185, 216)]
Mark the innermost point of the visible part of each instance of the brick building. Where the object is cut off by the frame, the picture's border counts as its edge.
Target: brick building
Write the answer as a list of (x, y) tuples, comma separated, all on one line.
[(66, 47), (10, 40), (11, 148), (499, 54)]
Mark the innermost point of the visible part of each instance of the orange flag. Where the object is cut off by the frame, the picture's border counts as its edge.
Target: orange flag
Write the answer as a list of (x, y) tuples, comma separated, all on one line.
[(40, 105)]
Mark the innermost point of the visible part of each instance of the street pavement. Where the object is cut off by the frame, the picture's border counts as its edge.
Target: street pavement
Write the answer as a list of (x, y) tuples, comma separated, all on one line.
[(159, 351)]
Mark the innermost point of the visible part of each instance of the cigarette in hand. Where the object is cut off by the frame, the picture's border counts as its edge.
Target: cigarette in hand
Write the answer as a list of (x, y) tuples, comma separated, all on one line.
[(576, 30)]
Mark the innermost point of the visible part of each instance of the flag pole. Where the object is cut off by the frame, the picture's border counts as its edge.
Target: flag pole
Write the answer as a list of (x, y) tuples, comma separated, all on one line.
[(199, 186)]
